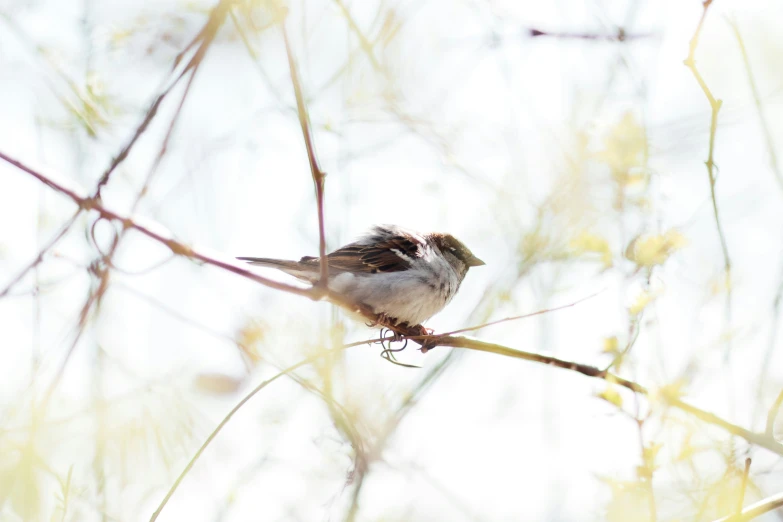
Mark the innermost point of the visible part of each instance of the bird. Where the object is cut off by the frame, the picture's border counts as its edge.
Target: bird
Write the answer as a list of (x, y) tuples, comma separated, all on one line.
[(403, 276)]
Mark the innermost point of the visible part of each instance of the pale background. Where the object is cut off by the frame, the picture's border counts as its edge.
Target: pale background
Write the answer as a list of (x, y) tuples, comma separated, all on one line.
[(467, 125)]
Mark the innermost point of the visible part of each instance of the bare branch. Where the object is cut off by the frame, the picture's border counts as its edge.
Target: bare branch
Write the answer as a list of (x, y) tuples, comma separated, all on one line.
[(756, 510), (773, 157), (205, 36), (154, 231), (230, 414), (41, 253), (472, 344), (744, 487), (715, 106), (518, 317), (619, 36), (315, 169), (773, 414)]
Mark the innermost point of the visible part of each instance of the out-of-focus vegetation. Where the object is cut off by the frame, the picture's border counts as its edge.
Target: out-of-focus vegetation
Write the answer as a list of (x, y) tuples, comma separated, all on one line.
[(567, 144)]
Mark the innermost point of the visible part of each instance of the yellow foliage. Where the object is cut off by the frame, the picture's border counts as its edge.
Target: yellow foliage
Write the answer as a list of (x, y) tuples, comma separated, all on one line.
[(611, 345), (587, 242), (624, 147), (249, 337), (630, 502), (611, 395), (668, 392), (654, 249), (641, 302), (649, 454), (534, 244)]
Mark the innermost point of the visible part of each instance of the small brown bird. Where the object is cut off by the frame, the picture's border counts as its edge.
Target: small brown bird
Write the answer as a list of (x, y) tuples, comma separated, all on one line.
[(404, 275)]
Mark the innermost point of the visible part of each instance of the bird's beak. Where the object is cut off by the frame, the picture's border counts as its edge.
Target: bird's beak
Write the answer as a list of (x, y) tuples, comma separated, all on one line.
[(474, 261)]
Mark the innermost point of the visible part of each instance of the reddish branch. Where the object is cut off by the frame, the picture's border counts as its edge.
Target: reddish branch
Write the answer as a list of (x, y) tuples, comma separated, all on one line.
[(315, 169), (619, 36)]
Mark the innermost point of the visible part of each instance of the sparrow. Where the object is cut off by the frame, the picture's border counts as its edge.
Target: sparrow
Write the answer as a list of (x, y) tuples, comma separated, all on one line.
[(401, 275)]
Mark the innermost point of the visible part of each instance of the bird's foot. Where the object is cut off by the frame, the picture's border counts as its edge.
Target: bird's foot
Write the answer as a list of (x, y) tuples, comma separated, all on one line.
[(424, 332)]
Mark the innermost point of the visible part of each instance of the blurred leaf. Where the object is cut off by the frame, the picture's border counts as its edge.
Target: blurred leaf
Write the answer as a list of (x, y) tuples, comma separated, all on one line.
[(19, 482), (662, 395), (721, 498), (611, 345), (587, 242), (624, 148), (534, 244), (720, 284), (649, 454), (249, 337), (651, 250), (217, 383), (640, 303), (630, 502), (611, 395), (688, 450)]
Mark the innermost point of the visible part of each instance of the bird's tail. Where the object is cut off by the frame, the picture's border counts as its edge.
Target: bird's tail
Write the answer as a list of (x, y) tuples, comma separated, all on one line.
[(294, 268)]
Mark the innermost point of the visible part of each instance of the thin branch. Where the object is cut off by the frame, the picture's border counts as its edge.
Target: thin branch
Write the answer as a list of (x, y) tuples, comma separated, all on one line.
[(756, 510), (315, 169), (365, 44), (743, 487), (236, 408), (41, 253), (619, 36), (206, 36), (516, 317), (472, 344), (715, 106), (773, 415), (94, 297), (773, 157), (153, 231)]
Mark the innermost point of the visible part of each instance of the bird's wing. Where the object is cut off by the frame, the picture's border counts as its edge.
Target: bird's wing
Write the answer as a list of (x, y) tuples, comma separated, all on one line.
[(392, 253)]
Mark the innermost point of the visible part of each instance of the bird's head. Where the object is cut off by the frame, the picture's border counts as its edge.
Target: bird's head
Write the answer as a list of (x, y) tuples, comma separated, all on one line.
[(456, 253)]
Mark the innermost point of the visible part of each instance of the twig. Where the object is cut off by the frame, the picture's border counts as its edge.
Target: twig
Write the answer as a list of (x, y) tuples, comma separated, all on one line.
[(153, 231), (715, 106), (228, 417), (619, 36), (464, 342), (743, 488), (48, 246), (315, 169), (756, 510), (773, 415), (517, 317), (206, 35), (365, 44), (773, 157)]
